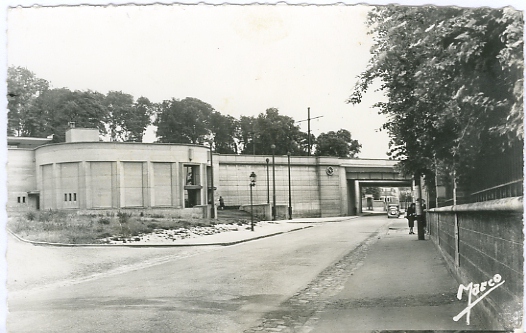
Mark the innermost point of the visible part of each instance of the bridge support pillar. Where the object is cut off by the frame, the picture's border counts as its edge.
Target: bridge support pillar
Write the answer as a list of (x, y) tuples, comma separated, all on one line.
[(357, 197)]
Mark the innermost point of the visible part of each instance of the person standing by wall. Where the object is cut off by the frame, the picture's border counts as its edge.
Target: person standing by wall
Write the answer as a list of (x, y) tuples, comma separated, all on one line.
[(221, 203), (411, 216)]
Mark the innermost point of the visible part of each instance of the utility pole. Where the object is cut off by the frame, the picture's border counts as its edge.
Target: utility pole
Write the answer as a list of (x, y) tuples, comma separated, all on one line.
[(308, 127), (212, 199)]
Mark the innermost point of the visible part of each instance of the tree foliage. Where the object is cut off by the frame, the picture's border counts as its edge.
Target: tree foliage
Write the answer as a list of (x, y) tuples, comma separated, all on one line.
[(224, 130), (139, 118), (127, 119), (23, 88), (118, 106), (60, 107), (37, 110), (184, 121), (453, 78), (271, 128), (338, 144)]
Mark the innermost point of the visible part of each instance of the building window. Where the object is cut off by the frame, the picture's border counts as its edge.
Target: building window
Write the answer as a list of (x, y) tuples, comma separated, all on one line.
[(65, 197), (70, 197), (18, 199), (23, 199), (75, 197)]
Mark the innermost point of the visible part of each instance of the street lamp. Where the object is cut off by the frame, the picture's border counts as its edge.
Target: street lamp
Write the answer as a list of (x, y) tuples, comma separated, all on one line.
[(212, 199), (252, 184), (290, 197), (268, 184), (273, 147)]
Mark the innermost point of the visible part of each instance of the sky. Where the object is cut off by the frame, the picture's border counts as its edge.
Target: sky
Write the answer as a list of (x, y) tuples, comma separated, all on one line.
[(240, 59)]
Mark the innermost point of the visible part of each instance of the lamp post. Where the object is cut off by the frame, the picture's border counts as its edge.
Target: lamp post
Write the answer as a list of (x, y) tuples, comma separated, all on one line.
[(252, 184), (273, 147), (212, 199), (290, 197), (268, 184)]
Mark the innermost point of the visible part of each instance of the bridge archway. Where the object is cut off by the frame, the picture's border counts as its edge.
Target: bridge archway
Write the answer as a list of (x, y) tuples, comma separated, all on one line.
[(359, 177)]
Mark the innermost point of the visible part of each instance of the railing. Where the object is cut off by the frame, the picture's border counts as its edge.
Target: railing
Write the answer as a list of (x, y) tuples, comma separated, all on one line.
[(507, 190)]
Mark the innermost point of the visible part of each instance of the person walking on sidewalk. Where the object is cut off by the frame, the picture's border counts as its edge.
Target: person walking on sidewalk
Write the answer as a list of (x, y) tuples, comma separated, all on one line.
[(411, 216)]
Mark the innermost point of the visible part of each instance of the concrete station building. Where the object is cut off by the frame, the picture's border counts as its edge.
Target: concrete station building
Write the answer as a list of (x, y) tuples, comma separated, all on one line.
[(91, 176)]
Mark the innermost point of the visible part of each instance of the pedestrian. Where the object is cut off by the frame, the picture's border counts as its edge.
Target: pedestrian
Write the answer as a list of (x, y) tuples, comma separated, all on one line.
[(411, 216), (221, 203)]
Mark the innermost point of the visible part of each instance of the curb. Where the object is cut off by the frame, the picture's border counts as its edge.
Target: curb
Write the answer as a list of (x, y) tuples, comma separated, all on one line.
[(153, 245)]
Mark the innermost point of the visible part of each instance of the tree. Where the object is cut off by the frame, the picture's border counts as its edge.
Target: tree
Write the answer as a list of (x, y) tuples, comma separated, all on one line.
[(246, 134), (59, 107), (374, 191), (257, 135), (453, 79), (184, 121), (127, 120), (139, 119), (119, 108), (338, 144), (223, 130), (23, 88)]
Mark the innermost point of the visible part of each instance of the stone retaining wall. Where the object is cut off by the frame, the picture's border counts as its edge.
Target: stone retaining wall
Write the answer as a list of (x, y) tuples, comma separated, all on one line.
[(478, 241)]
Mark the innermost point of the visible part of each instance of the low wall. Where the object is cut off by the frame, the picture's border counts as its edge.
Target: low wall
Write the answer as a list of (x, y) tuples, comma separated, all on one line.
[(264, 212), (479, 241), (196, 212)]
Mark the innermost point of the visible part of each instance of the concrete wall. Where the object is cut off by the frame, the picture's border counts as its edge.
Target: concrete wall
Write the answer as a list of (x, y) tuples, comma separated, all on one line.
[(481, 240), (21, 179), (82, 135), (314, 193)]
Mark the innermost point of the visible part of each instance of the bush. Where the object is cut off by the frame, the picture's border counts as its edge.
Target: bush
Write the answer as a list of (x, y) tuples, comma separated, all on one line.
[(104, 220), (123, 217), (152, 225), (31, 216)]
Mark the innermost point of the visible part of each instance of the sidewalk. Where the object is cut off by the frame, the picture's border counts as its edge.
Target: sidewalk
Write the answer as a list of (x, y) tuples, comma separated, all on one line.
[(403, 284)]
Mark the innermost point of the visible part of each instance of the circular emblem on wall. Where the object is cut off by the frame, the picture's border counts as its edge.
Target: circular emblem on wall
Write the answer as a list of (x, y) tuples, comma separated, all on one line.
[(329, 171)]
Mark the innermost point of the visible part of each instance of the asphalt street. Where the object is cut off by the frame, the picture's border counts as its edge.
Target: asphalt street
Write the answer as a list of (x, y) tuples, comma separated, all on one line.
[(212, 289)]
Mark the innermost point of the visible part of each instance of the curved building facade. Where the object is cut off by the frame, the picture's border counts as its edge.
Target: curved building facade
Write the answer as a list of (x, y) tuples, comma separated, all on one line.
[(86, 175)]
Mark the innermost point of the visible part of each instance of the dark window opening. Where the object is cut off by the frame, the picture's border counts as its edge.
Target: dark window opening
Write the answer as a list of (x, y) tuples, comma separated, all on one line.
[(192, 181)]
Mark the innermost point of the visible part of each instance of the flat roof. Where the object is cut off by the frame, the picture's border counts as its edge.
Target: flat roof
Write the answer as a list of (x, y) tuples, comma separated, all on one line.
[(26, 142)]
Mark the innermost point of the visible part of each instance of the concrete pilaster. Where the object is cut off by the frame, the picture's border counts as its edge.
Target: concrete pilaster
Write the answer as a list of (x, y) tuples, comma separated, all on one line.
[(147, 183), (344, 200), (57, 193), (119, 178), (176, 186), (85, 200), (357, 197)]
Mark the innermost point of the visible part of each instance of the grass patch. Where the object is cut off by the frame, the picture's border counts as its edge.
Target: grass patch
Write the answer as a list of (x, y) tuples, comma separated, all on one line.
[(56, 226)]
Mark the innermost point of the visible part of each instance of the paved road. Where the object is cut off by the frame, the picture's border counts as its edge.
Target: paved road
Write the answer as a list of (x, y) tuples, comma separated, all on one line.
[(221, 289)]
